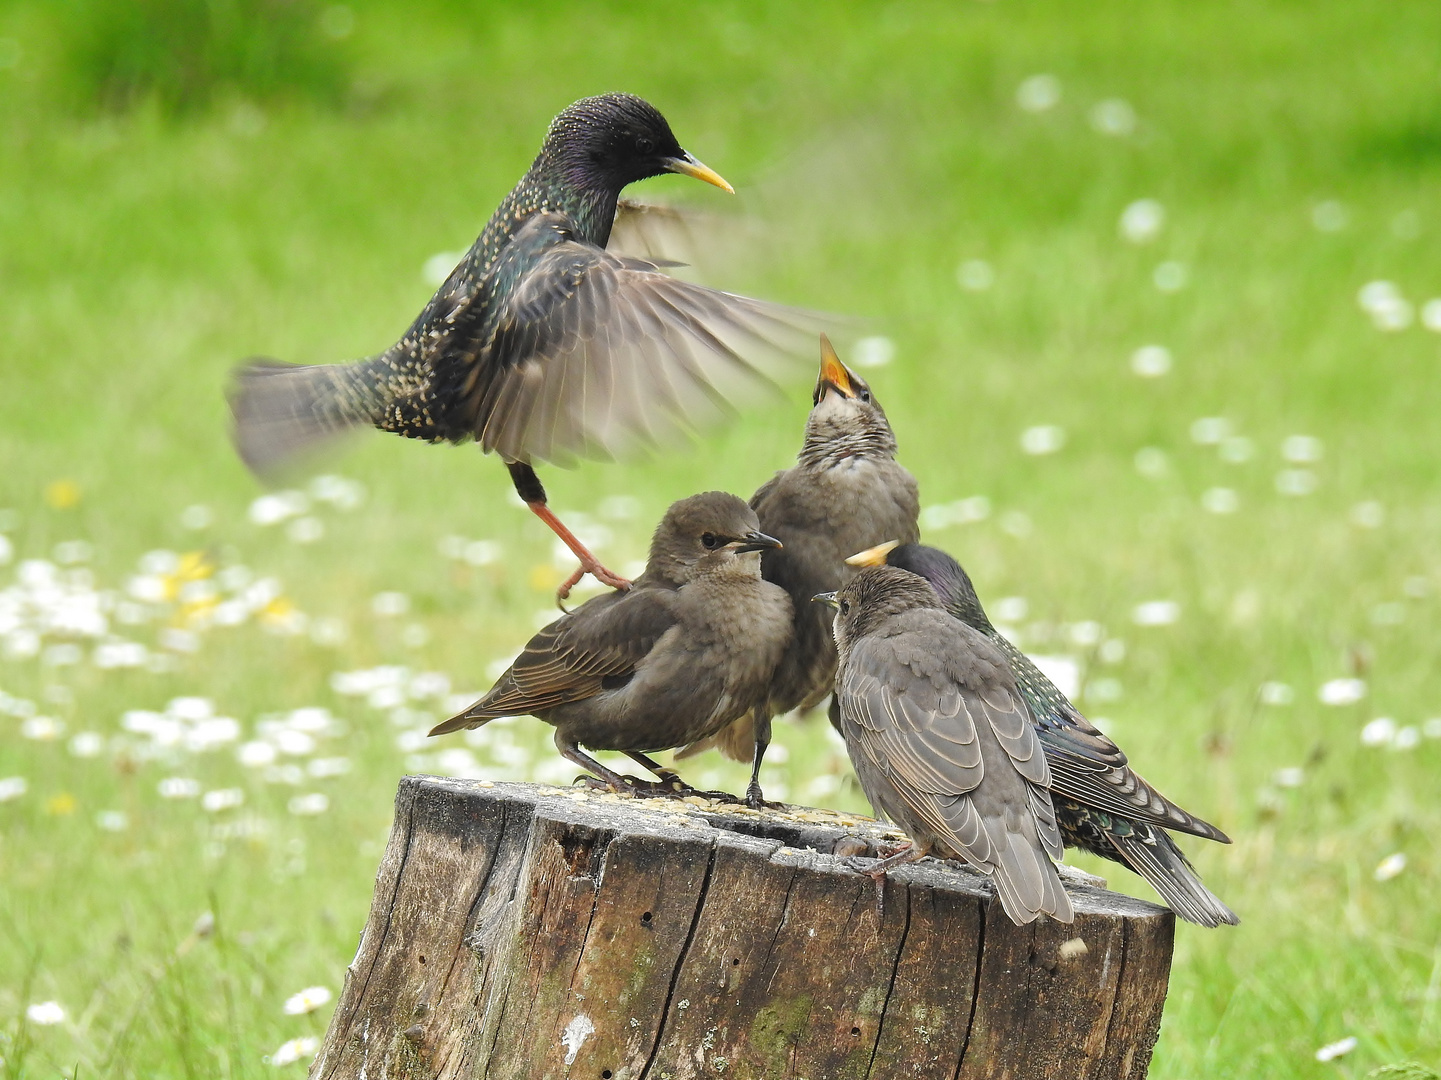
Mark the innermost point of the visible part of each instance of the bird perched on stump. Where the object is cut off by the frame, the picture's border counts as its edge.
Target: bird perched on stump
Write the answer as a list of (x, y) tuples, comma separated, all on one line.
[(541, 344), (1102, 806), (942, 742), (846, 489), (691, 646)]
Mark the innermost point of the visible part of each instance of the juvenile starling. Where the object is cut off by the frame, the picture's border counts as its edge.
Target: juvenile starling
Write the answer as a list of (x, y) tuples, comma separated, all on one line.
[(1102, 805), (942, 742), (845, 492), (686, 650), (540, 344)]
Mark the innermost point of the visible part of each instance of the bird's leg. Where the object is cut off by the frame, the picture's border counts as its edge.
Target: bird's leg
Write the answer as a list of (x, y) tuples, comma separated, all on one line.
[(761, 721), (571, 752), (528, 487), (671, 780), (910, 853)]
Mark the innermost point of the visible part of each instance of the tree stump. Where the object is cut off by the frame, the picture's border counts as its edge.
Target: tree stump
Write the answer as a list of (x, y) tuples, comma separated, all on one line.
[(529, 932)]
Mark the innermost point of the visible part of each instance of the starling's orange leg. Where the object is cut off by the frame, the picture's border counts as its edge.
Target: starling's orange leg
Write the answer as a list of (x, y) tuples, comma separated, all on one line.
[(528, 487), (589, 564)]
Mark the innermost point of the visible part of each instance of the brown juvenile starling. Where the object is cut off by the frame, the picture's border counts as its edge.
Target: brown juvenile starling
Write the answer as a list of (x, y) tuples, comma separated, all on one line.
[(942, 742), (1102, 806), (691, 646), (846, 489), (541, 344)]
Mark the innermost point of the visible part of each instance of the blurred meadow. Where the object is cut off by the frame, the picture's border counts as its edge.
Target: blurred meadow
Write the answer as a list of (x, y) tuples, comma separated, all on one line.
[(1153, 299)]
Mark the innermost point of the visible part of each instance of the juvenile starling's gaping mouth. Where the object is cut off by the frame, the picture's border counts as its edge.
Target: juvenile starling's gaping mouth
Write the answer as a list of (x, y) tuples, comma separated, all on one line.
[(834, 375), (689, 166)]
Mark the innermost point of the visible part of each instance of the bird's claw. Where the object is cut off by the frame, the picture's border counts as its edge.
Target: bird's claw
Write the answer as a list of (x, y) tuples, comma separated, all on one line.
[(595, 570)]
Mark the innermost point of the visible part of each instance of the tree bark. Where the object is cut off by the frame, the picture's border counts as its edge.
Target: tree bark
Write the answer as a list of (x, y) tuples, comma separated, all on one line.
[(528, 932)]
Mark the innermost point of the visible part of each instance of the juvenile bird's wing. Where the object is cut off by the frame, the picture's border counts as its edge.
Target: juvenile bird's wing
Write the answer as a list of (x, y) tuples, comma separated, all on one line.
[(938, 740), (594, 354), (1089, 767), (572, 658)]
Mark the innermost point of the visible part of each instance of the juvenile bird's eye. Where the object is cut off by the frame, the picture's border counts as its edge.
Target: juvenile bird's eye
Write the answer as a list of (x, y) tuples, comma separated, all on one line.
[(845, 607), (710, 541), (865, 395)]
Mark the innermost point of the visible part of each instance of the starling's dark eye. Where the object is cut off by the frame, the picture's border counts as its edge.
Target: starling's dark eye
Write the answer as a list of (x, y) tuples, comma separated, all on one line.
[(644, 145), (864, 395), (710, 541), (845, 607)]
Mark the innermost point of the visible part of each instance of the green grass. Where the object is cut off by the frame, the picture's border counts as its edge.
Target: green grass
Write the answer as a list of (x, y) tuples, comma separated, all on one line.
[(142, 255)]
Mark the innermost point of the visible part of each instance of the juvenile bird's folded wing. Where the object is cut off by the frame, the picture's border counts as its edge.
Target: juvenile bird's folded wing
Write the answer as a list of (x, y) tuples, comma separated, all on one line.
[(923, 736), (573, 657), (598, 355)]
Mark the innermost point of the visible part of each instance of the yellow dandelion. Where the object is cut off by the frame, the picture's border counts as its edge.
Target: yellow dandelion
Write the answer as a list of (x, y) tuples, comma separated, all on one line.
[(277, 611), (61, 805), (544, 577), (62, 494), (194, 565)]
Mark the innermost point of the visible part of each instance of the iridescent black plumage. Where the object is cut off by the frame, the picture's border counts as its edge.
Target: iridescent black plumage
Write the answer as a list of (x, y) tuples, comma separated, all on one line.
[(541, 344), (1102, 805)]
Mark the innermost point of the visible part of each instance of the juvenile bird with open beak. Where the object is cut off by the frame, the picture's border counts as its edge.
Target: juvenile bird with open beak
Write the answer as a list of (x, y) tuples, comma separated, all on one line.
[(845, 492), (942, 741), (690, 647), (542, 344), (1102, 805)]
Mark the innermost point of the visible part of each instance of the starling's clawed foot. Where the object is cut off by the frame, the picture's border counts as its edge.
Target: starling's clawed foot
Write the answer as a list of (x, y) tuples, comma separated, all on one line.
[(595, 570)]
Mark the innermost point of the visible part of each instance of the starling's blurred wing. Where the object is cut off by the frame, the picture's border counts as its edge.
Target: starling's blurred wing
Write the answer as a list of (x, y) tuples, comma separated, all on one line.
[(573, 658), (1089, 767), (594, 355), (659, 234)]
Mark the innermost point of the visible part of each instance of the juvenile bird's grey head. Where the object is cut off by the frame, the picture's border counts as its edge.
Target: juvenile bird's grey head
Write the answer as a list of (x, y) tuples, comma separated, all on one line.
[(946, 576), (710, 531), (846, 419), (607, 142), (874, 595)]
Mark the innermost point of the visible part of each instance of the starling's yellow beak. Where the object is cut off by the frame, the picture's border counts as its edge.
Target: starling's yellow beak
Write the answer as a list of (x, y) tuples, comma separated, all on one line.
[(875, 556), (689, 166), (824, 598), (834, 374)]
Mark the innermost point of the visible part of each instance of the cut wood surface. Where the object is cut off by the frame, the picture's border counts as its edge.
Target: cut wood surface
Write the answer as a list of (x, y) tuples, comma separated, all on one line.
[(519, 931)]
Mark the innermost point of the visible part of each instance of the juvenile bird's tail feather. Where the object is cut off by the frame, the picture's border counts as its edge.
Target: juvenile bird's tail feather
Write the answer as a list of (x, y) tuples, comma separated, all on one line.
[(1157, 859), (282, 410)]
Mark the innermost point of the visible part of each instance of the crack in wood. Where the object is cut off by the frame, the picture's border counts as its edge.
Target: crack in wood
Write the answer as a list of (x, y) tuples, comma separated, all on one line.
[(680, 962), (975, 994), (890, 987)]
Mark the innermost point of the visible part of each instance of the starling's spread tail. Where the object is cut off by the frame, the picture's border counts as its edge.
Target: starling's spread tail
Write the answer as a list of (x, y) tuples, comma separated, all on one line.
[(282, 410), (1155, 856)]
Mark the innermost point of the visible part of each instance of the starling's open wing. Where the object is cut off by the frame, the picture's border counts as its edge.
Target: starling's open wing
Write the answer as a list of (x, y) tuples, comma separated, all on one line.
[(1089, 767), (594, 355), (660, 234), (573, 658)]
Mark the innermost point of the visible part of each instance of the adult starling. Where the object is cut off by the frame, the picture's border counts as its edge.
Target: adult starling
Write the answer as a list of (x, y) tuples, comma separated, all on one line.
[(541, 344), (942, 742), (1101, 804), (686, 650), (845, 492)]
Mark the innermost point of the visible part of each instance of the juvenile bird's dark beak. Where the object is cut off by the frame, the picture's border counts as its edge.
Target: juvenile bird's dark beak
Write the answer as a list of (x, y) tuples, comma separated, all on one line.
[(875, 556), (824, 598), (834, 375), (755, 541), (689, 166)]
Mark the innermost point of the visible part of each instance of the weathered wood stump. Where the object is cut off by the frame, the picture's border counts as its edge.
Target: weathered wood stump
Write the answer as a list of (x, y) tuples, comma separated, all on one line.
[(527, 932)]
